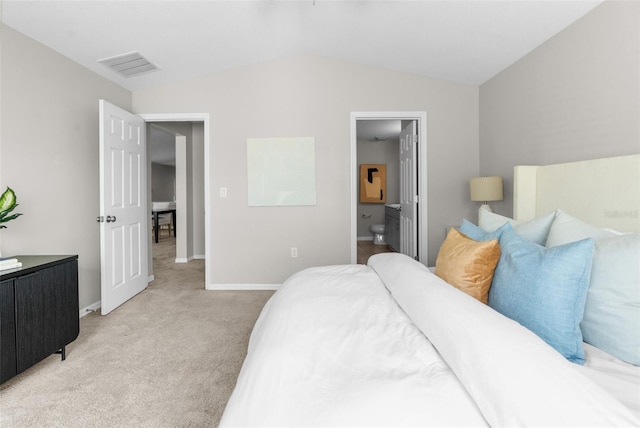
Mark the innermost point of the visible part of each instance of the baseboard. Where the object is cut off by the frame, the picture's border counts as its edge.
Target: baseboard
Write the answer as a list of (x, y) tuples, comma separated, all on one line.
[(199, 256), (242, 287), (89, 309), (188, 259), (233, 287), (365, 238)]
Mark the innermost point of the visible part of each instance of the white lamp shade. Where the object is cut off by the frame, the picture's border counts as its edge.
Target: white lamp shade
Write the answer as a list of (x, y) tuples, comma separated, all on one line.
[(486, 189)]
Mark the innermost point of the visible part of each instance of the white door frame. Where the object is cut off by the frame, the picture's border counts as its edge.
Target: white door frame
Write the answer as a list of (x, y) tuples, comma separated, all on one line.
[(194, 117), (421, 118)]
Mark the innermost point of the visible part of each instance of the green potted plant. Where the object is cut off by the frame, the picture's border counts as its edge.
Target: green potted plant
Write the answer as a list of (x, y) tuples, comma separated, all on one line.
[(8, 202)]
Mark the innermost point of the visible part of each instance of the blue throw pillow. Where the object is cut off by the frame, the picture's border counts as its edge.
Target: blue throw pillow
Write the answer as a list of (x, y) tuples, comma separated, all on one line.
[(544, 289), (478, 234)]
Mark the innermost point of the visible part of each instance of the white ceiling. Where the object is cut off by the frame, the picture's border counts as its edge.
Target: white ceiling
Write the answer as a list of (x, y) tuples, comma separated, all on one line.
[(462, 41)]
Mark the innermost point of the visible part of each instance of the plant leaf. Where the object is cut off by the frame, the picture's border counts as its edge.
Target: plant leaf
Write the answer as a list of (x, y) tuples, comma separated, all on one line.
[(7, 200), (5, 212), (11, 217)]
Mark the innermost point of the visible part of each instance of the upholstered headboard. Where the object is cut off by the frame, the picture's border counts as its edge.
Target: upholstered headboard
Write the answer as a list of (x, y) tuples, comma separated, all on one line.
[(603, 192)]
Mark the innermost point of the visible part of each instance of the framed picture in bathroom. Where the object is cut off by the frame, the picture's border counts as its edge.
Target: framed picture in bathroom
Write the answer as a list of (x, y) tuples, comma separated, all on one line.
[(373, 183)]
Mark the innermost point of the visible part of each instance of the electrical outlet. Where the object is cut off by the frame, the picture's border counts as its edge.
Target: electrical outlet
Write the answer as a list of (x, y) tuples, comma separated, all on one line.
[(294, 252), (223, 192)]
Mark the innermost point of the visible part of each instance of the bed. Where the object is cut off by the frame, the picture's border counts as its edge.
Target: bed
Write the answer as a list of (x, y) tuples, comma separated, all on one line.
[(531, 321)]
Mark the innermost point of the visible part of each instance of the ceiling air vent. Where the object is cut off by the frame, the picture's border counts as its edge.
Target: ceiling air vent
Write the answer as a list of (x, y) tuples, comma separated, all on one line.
[(128, 65)]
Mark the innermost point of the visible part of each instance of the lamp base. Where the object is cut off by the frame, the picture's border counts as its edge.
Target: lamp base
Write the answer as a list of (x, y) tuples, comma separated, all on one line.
[(486, 207)]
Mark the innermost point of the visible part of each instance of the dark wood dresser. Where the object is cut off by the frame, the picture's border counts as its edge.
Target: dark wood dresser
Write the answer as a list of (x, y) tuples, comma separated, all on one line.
[(39, 312)]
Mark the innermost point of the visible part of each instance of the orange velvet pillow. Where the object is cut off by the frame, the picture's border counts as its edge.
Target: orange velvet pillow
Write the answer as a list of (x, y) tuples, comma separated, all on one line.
[(467, 264)]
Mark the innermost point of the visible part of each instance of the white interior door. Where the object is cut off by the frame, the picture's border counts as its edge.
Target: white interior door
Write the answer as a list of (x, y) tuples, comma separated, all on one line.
[(123, 206), (408, 190)]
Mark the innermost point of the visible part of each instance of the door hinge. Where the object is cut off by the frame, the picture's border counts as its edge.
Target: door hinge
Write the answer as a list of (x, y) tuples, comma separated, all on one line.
[(415, 138), (416, 199)]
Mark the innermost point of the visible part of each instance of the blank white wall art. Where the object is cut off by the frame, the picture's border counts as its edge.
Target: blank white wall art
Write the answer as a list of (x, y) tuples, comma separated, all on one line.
[(281, 171)]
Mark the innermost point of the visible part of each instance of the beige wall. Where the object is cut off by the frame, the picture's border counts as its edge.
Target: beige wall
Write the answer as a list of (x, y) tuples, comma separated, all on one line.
[(309, 96), (50, 154), (575, 97), (162, 182), (197, 166)]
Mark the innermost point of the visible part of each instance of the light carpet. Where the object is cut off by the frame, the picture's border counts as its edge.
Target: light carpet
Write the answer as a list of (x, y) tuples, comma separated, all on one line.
[(169, 357)]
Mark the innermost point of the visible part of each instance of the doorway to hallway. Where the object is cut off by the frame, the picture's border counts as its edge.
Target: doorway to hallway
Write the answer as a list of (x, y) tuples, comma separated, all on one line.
[(200, 173), (177, 164)]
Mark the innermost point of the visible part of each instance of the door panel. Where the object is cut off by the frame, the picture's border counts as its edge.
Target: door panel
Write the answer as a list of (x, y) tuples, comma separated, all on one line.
[(122, 205), (408, 190), (117, 257)]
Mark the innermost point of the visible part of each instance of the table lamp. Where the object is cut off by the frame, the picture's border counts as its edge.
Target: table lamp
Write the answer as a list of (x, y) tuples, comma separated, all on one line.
[(486, 189)]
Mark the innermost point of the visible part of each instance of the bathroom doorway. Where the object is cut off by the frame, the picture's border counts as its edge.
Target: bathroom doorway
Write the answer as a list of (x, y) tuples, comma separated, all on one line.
[(377, 138), (377, 144)]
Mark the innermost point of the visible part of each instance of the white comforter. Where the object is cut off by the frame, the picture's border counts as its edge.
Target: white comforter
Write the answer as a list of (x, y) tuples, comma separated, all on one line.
[(356, 345)]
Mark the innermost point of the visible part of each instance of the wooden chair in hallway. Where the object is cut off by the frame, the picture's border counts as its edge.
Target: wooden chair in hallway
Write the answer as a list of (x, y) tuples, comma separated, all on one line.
[(164, 222)]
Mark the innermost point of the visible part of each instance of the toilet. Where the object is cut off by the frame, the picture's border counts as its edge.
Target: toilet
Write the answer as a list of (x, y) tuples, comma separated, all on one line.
[(378, 233)]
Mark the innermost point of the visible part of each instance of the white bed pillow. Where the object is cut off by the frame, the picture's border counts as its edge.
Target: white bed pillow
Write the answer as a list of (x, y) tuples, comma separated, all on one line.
[(535, 230), (612, 312), (566, 228)]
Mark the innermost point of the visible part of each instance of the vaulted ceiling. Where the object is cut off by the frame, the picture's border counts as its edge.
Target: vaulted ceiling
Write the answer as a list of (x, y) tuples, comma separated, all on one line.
[(462, 41)]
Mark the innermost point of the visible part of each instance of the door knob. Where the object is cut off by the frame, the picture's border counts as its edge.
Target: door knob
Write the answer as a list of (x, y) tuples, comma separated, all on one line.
[(100, 219), (111, 219)]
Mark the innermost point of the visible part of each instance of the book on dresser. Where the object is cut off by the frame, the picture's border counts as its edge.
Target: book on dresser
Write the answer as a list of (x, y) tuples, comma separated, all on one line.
[(9, 263)]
